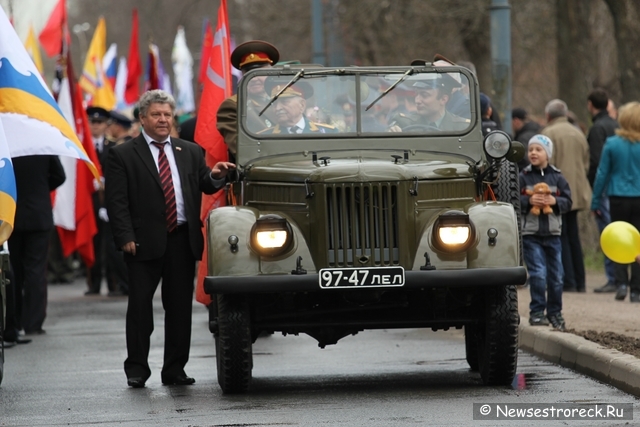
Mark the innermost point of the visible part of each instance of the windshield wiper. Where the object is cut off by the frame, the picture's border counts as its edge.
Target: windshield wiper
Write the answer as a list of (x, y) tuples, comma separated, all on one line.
[(383, 94), (293, 80)]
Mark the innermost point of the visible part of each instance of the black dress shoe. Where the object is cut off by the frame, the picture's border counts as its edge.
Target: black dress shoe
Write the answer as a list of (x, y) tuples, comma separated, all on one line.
[(622, 292), (91, 293), (179, 380), (135, 382), (9, 344), (36, 332), (607, 288), (23, 340), (634, 297)]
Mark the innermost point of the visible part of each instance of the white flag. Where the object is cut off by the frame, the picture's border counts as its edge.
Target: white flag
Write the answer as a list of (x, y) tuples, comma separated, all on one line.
[(183, 73)]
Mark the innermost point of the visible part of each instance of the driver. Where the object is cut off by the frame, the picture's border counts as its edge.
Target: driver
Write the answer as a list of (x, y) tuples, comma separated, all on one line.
[(431, 97), (289, 109)]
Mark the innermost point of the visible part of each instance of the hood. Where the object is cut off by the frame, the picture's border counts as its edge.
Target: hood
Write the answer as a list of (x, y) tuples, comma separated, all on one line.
[(359, 168)]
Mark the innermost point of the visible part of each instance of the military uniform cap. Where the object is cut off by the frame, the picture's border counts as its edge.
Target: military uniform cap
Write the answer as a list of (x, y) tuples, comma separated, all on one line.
[(273, 86), (252, 54), (98, 113), (419, 62), (441, 60), (442, 81), (121, 119)]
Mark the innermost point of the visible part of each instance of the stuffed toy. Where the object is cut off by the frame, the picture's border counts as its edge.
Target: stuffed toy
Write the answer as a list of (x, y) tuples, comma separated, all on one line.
[(540, 188)]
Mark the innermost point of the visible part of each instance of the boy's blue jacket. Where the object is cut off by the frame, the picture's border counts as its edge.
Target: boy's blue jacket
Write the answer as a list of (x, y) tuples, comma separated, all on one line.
[(544, 225)]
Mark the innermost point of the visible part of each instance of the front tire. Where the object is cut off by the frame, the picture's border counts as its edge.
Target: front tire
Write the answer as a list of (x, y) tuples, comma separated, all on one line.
[(507, 189), (498, 337), (234, 358), (471, 346)]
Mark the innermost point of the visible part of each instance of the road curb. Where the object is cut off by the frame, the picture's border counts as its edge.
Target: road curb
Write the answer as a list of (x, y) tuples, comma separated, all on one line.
[(574, 352)]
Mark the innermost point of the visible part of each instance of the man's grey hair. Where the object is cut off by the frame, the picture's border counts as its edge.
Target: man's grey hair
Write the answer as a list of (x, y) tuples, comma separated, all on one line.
[(156, 96), (556, 108)]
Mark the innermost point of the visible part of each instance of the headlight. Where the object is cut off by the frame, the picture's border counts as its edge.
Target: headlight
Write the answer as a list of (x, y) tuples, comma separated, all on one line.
[(271, 235), (453, 232), (454, 235), (272, 239), (497, 144)]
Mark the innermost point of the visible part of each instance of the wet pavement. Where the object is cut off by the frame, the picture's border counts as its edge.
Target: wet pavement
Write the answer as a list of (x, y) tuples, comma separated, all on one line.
[(73, 375)]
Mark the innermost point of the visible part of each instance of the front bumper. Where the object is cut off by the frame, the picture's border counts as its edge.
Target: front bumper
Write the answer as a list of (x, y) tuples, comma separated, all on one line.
[(275, 283)]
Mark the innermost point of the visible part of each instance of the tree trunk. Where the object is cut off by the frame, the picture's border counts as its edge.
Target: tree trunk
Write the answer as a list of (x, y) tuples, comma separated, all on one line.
[(576, 58), (625, 15)]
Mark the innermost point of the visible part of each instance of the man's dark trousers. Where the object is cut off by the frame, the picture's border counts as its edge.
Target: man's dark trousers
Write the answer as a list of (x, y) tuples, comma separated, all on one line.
[(176, 267)]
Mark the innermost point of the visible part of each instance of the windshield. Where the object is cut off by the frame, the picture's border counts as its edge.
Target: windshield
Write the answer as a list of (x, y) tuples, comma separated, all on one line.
[(322, 104)]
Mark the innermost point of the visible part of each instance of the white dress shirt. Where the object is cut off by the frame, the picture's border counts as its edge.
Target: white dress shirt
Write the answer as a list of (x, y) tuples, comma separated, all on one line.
[(99, 143), (300, 126), (175, 175)]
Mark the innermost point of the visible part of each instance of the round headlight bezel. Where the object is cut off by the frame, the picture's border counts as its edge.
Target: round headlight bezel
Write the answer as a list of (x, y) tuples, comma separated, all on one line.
[(267, 223), (453, 219), (497, 144)]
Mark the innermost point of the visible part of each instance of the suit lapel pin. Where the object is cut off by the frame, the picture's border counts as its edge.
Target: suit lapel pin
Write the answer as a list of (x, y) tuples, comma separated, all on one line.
[(178, 148)]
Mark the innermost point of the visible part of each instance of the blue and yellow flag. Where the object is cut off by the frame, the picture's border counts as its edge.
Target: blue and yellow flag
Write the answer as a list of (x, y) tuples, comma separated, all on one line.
[(7, 190), (31, 121)]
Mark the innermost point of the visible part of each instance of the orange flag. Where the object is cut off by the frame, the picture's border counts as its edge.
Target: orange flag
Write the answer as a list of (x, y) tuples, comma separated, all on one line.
[(217, 87)]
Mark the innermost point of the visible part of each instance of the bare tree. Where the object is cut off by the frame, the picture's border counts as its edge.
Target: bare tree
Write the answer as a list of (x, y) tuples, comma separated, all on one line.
[(576, 60), (625, 15)]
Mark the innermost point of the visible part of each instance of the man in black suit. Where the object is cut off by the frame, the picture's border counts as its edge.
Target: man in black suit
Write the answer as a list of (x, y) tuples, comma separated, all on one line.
[(153, 188), (36, 177)]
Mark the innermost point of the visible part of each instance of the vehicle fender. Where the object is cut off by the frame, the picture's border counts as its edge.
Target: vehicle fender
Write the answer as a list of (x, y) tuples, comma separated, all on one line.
[(238, 220), (222, 223), (483, 215), (506, 251)]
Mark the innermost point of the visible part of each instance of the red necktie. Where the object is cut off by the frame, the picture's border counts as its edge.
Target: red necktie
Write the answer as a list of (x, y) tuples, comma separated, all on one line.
[(167, 187)]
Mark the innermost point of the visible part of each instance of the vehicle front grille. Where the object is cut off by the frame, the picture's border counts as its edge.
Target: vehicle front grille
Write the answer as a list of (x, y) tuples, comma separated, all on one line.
[(362, 224)]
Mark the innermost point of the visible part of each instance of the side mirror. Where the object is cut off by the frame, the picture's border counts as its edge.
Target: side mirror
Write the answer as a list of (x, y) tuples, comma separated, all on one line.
[(516, 153)]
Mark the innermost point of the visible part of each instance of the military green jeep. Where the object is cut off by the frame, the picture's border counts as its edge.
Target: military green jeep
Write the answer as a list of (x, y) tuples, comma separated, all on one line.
[(366, 198)]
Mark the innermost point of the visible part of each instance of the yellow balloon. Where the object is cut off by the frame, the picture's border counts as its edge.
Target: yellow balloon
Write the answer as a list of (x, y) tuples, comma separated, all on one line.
[(620, 242)]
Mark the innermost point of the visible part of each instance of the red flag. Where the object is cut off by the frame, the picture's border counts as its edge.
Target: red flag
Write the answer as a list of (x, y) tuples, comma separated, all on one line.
[(153, 69), (134, 67), (78, 237), (205, 54), (217, 87), (51, 35)]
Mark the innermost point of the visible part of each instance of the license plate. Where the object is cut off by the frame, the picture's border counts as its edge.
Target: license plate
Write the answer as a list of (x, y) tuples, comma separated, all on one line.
[(369, 277)]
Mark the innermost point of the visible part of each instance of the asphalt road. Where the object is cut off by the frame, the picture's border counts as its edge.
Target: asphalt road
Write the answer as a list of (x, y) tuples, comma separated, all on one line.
[(73, 376)]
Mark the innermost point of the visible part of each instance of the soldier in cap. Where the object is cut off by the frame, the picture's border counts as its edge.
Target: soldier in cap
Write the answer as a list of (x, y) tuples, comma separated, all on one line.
[(290, 107), (431, 96), (120, 127), (99, 122), (115, 268), (246, 57)]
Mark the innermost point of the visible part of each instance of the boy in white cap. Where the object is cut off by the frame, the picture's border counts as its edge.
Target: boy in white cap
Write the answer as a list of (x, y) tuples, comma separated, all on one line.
[(541, 232)]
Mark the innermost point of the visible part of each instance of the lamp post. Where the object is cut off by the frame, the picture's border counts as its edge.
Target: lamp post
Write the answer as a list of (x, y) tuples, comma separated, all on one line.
[(79, 30)]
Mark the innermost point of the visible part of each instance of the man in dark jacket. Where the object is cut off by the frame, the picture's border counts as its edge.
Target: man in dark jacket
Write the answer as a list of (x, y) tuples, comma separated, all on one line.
[(154, 187), (36, 177), (523, 130), (603, 127), (486, 111)]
